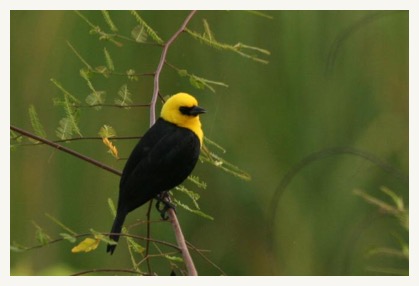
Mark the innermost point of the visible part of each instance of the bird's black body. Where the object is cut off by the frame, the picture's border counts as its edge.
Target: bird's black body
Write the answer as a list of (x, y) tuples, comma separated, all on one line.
[(161, 160)]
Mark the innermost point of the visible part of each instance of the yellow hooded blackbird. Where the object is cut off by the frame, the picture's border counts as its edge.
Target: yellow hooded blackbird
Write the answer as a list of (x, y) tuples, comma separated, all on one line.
[(162, 159)]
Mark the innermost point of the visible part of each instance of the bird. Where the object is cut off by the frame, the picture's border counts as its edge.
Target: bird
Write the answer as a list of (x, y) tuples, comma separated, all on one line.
[(163, 158)]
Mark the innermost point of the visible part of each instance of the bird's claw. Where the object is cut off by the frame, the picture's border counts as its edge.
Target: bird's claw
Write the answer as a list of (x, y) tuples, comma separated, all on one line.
[(164, 199)]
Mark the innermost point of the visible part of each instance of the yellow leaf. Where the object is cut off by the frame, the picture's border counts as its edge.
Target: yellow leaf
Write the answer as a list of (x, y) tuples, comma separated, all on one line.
[(86, 245), (112, 148)]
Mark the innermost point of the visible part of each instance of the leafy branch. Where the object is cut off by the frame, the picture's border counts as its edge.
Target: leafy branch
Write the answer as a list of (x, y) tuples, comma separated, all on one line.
[(69, 130), (207, 37)]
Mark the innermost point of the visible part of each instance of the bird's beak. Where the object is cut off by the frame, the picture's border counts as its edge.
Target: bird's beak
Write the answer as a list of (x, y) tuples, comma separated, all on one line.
[(196, 110)]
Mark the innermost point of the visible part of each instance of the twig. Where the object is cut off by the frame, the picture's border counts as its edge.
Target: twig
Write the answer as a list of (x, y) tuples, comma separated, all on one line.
[(65, 149), (147, 248), (190, 267), (161, 64), (107, 270), (81, 139), (113, 105)]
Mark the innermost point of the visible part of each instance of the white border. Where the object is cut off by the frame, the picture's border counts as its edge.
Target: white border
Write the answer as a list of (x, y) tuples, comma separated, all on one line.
[(8, 5)]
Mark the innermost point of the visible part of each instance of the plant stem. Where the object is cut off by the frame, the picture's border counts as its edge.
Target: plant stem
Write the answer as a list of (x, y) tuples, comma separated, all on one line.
[(65, 149), (161, 64)]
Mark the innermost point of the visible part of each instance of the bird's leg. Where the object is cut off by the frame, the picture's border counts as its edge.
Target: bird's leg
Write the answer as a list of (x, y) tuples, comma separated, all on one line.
[(164, 198)]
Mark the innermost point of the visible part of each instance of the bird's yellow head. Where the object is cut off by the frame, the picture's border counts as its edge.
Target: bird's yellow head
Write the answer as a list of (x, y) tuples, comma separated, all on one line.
[(182, 109)]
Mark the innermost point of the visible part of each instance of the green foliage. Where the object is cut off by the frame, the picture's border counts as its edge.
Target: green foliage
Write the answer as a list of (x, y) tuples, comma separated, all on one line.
[(101, 237), (16, 247), (200, 82), (260, 14), (147, 28), (197, 181), (35, 122), (15, 140), (97, 30), (173, 258), (68, 237), (223, 164), (109, 61), (131, 75), (59, 223), (139, 34), (107, 131), (41, 236), (124, 97), (69, 128), (398, 210), (109, 21), (194, 211), (207, 37)]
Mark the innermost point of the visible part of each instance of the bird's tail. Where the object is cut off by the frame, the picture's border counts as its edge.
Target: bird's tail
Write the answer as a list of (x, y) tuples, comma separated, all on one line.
[(116, 228)]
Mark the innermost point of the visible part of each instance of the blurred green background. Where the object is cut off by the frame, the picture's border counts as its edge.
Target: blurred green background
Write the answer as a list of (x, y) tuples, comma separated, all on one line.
[(334, 78)]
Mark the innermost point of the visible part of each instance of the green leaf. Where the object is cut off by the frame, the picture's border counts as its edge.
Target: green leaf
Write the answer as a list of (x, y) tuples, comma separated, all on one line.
[(65, 129), (68, 237), (109, 21), (109, 61), (192, 195), (183, 72), (17, 247), (41, 236), (261, 14), (66, 93), (103, 71), (62, 225), (148, 29), (107, 131), (79, 56), (173, 258), (102, 237), (197, 212), (35, 122), (197, 181), (208, 38), (96, 99), (398, 201), (226, 166), (124, 96), (139, 34), (131, 75), (196, 82), (112, 207), (212, 143), (135, 246)]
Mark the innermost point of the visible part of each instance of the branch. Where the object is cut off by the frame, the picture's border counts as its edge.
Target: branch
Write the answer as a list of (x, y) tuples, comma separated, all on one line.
[(172, 215), (161, 64), (65, 149)]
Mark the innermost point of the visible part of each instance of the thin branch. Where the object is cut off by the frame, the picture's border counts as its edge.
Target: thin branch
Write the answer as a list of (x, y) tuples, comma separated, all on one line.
[(65, 149), (172, 215), (107, 270), (147, 248), (200, 252), (106, 234), (80, 139), (113, 105), (161, 64)]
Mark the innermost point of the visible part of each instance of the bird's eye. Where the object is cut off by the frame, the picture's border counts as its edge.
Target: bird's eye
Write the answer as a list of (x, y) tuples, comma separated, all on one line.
[(185, 110)]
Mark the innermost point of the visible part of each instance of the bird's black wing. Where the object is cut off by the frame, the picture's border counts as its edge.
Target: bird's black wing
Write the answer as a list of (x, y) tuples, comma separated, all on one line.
[(144, 146), (163, 159)]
